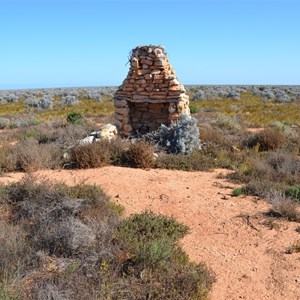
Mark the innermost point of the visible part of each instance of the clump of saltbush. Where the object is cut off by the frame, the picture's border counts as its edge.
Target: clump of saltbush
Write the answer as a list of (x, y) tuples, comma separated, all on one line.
[(180, 136), (4, 122), (69, 100)]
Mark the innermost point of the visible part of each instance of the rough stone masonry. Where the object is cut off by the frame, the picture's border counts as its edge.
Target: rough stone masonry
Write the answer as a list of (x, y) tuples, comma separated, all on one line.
[(151, 94)]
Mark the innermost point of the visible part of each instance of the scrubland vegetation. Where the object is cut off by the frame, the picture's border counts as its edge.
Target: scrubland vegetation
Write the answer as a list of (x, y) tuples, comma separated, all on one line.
[(58, 238), (60, 242)]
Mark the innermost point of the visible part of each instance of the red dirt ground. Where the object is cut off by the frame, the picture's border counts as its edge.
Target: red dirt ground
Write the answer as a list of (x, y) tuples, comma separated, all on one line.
[(230, 234)]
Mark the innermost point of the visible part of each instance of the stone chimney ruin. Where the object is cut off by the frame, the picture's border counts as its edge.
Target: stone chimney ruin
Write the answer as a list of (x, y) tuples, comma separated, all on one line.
[(150, 95)]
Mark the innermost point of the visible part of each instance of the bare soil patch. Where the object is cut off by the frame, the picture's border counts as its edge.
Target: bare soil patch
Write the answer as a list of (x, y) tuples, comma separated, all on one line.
[(245, 248)]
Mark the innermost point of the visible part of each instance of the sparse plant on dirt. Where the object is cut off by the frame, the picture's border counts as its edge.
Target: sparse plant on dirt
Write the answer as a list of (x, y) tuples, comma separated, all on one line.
[(295, 248), (283, 207), (238, 191)]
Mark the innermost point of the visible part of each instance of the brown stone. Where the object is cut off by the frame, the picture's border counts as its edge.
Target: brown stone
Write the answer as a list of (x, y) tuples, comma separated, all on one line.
[(159, 62), (159, 77), (120, 103), (122, 110), (174, 82), (146, 62), (140, 81), (158, 81), (127, 128), (156, 72), (169, 77), (138, 97)]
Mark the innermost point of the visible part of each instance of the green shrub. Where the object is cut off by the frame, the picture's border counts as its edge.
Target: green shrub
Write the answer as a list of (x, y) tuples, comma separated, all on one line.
[(238, 191), (75, 118), (193, 109), (149, 226), (294, 192)]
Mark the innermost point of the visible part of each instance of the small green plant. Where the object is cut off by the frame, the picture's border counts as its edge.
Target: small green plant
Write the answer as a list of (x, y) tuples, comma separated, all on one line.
[(31, 133), (75, 118), (238, 191), (149, 226), (193, 109), (294, 192)]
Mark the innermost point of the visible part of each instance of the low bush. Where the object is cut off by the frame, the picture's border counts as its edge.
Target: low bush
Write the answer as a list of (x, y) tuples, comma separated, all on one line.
[(295, 248), (140, 155), (28, 156), (283, 206), (90, 156), (196, 161), (4, 122), (182, 136), (267, 139), (294, 192), (75, 118), (70, 243), (238, 191), (267, 171)]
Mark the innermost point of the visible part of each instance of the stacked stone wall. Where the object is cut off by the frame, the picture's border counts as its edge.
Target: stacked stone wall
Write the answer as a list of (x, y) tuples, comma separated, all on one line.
[(151, 94)]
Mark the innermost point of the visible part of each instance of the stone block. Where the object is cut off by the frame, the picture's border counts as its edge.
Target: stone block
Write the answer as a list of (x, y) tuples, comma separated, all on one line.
[(140, 81), (148, 76), (127, 128), (174, 82), (120, 103), (156, 72), (146, 62), (138, 97), (122, 110)]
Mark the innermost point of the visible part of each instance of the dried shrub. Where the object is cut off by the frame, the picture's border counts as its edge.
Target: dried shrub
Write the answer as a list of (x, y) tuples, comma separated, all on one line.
[(295, 248), (267, 171), (90, 156), (283, 206), (140, 155), (267, 139), (28, 156)]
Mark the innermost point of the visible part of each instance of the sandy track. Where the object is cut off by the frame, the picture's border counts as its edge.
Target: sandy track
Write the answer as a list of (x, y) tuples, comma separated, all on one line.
[(228, 233)]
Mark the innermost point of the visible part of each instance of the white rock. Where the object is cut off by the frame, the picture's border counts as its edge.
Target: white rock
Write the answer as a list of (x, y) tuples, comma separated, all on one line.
[(88, 140)]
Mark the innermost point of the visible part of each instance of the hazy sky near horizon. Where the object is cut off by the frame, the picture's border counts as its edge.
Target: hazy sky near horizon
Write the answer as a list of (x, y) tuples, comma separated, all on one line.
[(86, 43)]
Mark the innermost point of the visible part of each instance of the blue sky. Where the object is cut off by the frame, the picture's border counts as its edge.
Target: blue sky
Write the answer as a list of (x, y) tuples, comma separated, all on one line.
[(86, 43)]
